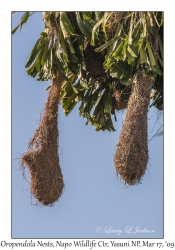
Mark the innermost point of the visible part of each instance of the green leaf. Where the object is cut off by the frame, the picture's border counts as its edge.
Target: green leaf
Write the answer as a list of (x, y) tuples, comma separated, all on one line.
[(96, 26), (82, 26), (44, 34), (118, 51), (102, 121), (15, 29), (98, 110), (70, 45), (158, 70), (45, 53), (127, 75), (160, 46), (87, 109), (66, 23), (59, 64), (70, 108), (160, 60), (33, 54), (69, 83), (72, 97), (87, 15), (108, 103), (124, 49), (32, 71), (76, 87), (83, 83), (63, 46), (64, 32), (143, 57), (131, 52), (119, 69), (151, 55), (104, 46), (24, 19)]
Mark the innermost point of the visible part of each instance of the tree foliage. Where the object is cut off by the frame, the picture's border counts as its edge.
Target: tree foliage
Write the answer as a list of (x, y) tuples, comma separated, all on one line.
[(99, 54)]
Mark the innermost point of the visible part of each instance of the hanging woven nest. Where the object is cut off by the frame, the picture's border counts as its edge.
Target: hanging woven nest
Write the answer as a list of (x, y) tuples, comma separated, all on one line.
[(42, 157), (112, 23), (94, 60), (131, 155)]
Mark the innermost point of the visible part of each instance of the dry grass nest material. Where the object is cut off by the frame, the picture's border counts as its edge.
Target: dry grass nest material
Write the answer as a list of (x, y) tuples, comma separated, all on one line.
[(94, 60), (131, 155), (42, 157)]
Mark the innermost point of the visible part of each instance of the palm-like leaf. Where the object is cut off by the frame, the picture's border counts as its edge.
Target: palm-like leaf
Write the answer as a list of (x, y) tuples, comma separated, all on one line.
[(135, 43)]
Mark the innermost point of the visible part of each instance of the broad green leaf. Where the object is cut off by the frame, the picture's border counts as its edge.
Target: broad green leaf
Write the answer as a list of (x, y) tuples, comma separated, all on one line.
[(44, 34), (63, 46), (126, 75), (76, 87), (121, 69), (101, 121), (160, 46), (82, 26), (83, 83), (57, 14), (162, 18), (64, 32), (124, 48), (94, 30), (104, 46), (108, 103), (118, 51), (70, 108), (87, 15), (160, 60), (88, 25), (65, 104), (29, 71), (69, 83), (143, 57), (66, 23), (151, 55), (131, 52), (96, 113), (87, 109), (102, 20), (24, 18), (58, 64), (45, 53), (33, 54), (70, 45), (38, 65), (72, 97), (158, 70)]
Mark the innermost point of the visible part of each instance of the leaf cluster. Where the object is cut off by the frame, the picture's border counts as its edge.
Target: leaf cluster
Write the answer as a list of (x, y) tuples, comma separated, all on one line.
[(136, 41)]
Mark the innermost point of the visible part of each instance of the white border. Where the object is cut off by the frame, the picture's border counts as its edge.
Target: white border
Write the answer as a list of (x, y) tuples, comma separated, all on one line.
[(5, 98)]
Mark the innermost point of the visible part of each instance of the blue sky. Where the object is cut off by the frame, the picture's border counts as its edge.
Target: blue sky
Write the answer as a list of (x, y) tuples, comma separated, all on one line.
[(94, 197)]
